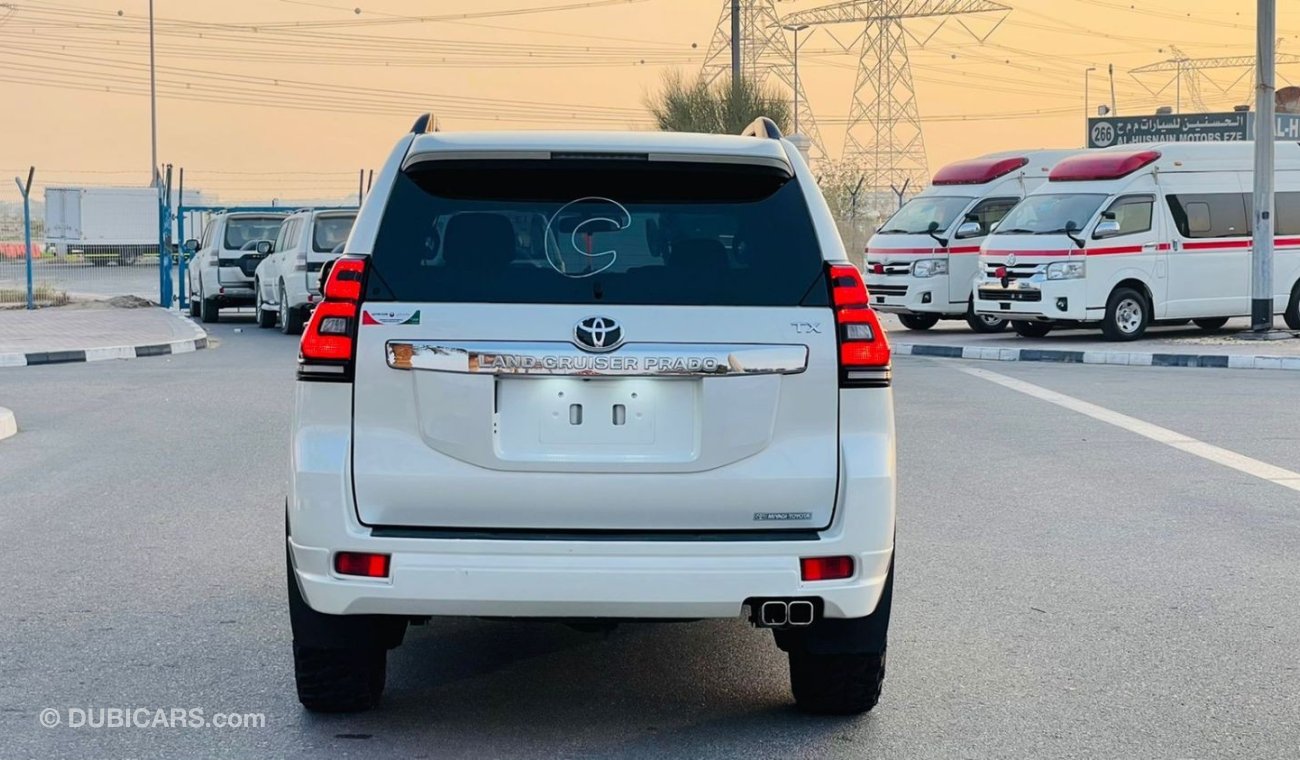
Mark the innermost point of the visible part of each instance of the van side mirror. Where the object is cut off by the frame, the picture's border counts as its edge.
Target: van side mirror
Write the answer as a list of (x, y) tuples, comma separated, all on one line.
[(190, 246), (1106, 228), (969, 230), (264, 247)]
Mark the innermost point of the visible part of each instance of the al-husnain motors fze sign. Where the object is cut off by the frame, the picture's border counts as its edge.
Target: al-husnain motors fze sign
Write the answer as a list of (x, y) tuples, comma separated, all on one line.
[(1232, 126)]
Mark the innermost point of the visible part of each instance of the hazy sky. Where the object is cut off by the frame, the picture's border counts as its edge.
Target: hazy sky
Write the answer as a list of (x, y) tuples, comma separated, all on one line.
[(240, 79)]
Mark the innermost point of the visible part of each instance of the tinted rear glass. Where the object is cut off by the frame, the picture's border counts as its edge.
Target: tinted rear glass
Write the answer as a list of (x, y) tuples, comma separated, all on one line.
[(331, 232), (605, 231), (245, 233)]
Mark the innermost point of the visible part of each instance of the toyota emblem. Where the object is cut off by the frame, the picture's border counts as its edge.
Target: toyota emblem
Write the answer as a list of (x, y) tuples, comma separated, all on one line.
[(1011, 259), (598, 334)]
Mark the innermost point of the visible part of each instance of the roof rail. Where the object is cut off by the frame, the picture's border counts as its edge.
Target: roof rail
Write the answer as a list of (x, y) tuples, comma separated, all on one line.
[(425, 124), (762, 127)]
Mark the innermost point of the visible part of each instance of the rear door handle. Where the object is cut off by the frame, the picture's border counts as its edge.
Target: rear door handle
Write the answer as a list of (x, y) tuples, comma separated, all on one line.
[(1148, 246)]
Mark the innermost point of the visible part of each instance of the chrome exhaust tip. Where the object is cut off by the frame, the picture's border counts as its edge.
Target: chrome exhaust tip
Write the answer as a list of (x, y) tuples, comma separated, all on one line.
[(773, 614), (800, 612)]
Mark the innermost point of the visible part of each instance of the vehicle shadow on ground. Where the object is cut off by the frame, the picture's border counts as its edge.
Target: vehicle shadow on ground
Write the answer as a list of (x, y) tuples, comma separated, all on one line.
[(642, 690)]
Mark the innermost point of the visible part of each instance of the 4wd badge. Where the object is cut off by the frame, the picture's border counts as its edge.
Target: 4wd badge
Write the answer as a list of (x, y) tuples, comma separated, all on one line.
[(390, 317)]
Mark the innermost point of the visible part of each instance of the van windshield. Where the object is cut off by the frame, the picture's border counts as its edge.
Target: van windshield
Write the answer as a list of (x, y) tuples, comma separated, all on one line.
[(578, 231), (924, 213), (1052, 214)]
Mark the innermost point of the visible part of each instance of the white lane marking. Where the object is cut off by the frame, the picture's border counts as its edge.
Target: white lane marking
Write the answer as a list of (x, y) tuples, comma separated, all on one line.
[(1240, 462)]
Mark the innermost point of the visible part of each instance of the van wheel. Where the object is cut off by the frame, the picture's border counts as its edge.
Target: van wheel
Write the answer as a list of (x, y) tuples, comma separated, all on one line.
[(983, 323), (290, 319), (836, 684), (1292, 314), (1127, 315), (918, 321), (194, 306), (1031, 329), (264, 318), (1211, 324)]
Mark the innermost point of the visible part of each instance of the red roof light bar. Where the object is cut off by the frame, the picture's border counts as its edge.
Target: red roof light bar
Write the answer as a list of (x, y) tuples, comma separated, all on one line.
[(1101, 165), (977, 171)]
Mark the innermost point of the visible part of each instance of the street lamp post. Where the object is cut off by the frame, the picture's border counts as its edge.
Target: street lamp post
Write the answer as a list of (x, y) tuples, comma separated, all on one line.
[(796, 28), (1086, 112), (1261, 274)]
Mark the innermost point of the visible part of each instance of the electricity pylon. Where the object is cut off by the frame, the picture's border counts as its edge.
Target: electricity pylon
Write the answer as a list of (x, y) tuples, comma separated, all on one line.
[(884, 134), (1189, 71), (765, 53)]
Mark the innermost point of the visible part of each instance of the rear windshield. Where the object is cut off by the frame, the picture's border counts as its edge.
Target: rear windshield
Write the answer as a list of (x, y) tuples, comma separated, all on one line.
[(618, 231), (331, 232), (244, 233)]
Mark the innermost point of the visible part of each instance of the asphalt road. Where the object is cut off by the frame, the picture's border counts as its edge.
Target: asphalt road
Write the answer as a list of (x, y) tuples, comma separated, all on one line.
[(1065, 587)]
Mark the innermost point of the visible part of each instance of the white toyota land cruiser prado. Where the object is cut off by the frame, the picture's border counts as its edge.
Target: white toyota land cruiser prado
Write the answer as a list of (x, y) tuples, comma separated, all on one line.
[(593, 378)]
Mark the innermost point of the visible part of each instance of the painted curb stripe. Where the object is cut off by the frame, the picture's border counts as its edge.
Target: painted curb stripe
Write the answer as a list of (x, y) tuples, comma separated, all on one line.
[(1113, 358)]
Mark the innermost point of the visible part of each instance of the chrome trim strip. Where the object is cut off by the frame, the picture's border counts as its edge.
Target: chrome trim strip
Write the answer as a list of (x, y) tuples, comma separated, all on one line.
[(553, 359)]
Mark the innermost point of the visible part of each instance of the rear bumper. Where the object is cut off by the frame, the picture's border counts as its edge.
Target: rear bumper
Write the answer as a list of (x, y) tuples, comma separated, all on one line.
[(585, 579)]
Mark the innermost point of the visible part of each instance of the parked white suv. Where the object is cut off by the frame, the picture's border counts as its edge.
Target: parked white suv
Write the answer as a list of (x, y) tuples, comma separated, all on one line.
[(591, 378), (220, 273), (287, 282)]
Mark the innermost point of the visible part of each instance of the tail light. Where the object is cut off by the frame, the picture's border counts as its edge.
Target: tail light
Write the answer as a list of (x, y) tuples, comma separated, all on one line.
[(864, 349), (329, 341)]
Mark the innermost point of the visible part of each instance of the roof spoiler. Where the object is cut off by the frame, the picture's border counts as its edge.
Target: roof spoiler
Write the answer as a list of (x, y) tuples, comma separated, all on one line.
[(762, 127), (425, 124)]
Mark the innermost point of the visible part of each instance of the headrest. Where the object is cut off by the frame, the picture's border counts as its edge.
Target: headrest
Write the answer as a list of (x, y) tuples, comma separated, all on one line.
[(479, 240)]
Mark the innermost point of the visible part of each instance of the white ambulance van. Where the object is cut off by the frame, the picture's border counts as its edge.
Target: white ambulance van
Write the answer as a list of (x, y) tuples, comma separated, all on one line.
[(920, 264), (1126, 236)]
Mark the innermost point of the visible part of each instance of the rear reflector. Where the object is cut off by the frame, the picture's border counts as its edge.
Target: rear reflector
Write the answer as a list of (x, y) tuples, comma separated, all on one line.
[(362, 564), (825, 568)]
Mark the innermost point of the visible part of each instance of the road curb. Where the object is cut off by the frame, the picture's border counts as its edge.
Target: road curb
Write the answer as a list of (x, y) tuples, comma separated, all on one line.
[(1114, 358), (188, 345), (8, 425)]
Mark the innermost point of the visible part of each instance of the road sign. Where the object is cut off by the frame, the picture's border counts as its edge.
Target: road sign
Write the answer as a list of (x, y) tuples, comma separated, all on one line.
[(1231, 126)]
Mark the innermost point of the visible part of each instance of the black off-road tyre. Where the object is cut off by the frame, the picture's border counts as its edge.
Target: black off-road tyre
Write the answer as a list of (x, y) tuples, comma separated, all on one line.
[(918, 321), (290, 319), (1211, 324), (265, 318), (339, 680), (208, 309), (1031, 329), (836, 684)]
